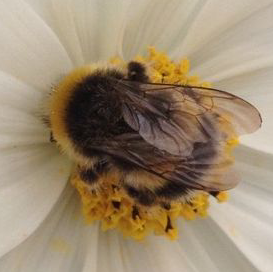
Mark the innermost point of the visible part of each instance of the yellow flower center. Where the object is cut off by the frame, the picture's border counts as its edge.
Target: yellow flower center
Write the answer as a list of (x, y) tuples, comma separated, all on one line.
[(114, 208)]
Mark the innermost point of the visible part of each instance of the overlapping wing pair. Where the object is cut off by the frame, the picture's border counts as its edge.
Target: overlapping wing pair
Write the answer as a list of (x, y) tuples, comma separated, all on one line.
[(181, 132)]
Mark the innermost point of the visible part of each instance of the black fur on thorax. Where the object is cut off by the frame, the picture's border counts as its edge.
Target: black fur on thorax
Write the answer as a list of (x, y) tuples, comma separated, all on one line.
[(94, 110)]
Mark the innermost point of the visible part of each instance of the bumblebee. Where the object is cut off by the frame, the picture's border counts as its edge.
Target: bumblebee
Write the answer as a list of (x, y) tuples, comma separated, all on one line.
[(160, 141)]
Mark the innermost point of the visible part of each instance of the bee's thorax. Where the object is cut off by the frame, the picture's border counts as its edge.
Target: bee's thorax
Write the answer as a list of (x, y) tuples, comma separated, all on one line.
[(94, 111)]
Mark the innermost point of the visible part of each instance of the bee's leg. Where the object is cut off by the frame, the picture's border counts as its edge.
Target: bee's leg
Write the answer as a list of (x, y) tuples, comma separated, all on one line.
[(92, 174), (163, 78), (135, 212), (51, 138)]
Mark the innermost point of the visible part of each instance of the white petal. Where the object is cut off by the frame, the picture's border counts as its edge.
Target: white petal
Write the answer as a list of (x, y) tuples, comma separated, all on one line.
[(43, 9), (243, 46), (256, 87), (213, 19), (247, 218), (62, 243), (155, 254), (196, 250), (158, 23), (158, 254), (251, 236), (32, 175), (202, 246), (212, 250), (255, 167), (90, 30), (111, 253), (20, 120), (31, 180), (29, 50)]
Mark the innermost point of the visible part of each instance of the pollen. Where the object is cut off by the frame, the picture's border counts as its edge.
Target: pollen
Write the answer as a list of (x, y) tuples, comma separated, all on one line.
[(114, 208), (222, 197)]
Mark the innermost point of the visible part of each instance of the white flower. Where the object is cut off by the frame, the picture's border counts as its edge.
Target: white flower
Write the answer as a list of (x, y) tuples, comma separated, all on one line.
[(228, 43)]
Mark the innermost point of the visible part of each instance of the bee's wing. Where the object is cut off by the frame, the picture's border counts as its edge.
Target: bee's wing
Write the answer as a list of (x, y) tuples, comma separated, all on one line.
[(181, 132), (206, 168), (174, 117)]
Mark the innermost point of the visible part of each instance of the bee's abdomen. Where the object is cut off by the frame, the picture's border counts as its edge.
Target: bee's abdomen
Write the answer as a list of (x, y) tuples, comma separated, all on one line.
[(91, 175), (143, 196)]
